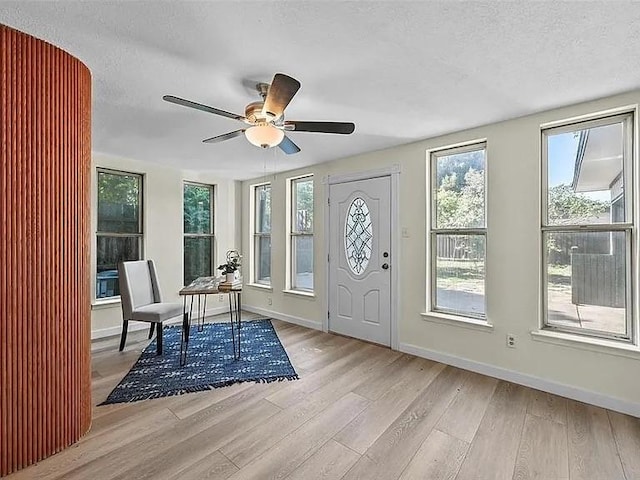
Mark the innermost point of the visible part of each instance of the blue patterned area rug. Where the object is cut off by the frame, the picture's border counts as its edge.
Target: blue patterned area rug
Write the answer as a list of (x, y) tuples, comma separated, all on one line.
[(210, 363)]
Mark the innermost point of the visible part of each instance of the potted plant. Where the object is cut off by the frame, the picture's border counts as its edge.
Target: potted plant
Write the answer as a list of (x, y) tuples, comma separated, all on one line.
[(231, 266)]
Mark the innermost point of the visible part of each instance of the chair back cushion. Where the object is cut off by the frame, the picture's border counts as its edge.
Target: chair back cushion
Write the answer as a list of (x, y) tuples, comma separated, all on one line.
[(136, 287)]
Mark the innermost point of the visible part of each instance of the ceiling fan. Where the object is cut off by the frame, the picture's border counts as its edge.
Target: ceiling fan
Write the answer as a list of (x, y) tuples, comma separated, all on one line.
[(265, 119)]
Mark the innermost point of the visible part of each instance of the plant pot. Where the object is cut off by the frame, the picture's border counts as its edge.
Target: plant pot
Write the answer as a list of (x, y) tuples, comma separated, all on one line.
[(231, 277)]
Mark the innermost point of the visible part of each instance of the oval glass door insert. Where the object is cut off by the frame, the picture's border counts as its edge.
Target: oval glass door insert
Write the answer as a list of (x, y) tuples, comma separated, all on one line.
[(358, 236)]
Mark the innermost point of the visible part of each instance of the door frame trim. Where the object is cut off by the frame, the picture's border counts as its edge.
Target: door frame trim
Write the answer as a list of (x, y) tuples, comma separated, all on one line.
[(393, 172)]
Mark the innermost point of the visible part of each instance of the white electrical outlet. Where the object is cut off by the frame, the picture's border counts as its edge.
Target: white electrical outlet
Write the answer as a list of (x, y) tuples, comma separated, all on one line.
[(511, 340), (221, 298), (269, 301)]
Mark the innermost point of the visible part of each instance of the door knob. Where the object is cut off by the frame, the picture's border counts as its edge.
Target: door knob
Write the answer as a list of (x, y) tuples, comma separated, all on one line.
[(385, 266)]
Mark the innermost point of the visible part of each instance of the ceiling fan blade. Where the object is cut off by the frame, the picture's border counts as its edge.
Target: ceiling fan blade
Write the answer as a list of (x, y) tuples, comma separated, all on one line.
[(280, 93), (343, 128), (222, 138), (201, 107), (288, 147)]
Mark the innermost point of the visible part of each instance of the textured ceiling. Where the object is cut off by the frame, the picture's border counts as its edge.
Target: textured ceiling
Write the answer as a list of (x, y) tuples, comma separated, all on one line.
[(401, 71)]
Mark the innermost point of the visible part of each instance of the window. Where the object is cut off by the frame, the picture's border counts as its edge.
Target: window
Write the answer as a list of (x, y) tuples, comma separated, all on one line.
[(262, 234), (119, 235), (198, 231), (587, 227), (458, 231), (301, 234)]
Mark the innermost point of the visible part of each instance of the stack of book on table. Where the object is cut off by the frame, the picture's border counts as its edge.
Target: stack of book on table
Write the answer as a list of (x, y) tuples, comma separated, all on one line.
[(237, 282)]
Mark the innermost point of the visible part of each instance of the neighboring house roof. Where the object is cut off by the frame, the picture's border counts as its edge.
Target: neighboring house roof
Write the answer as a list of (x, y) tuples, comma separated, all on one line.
[(598, 158)]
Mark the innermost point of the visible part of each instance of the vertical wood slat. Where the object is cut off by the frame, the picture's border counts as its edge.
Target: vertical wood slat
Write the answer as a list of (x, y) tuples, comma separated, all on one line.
[(4, 326), (45, 157)]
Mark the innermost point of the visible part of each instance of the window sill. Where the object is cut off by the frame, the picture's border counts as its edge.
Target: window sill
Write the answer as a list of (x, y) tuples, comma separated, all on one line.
[(300, 293), (260, 286), (457, 321), (105, 303), (587, 343)]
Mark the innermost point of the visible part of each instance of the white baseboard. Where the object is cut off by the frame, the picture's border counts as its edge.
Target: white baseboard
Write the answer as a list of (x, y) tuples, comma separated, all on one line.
[(135, 326), (114, 331), (581, 395), (303, 322)]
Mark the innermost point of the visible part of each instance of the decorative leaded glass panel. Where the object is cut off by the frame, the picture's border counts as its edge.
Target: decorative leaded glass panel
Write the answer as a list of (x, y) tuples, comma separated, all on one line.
[(358, 236)]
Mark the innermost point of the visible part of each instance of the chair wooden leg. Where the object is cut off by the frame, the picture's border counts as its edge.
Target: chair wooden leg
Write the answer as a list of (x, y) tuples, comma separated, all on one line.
[(153, 325), (159, 339), (123, 338)]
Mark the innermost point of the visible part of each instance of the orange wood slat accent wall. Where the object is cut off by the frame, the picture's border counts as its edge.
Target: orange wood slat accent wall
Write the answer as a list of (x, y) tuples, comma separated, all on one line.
[(45, 161)]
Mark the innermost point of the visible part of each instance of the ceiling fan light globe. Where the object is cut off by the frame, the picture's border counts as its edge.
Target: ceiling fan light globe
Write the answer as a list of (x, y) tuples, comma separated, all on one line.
[(264, 136)]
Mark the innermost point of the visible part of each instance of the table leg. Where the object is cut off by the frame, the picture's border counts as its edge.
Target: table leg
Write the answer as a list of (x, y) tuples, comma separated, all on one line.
[(234, 314), (204, 310), (185, 332), (233, 333), (186, 329), (200, 318), (239, 315)]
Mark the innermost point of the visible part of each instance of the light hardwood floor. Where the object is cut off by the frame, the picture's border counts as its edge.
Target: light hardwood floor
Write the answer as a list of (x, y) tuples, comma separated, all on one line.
[(359, 411)]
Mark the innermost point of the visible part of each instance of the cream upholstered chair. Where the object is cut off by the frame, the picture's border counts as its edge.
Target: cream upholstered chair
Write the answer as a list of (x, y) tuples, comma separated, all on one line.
[(142, 299)]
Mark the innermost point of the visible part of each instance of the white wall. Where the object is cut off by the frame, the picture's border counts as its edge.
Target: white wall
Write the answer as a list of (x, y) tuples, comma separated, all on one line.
[(594, 373), (163, 228)]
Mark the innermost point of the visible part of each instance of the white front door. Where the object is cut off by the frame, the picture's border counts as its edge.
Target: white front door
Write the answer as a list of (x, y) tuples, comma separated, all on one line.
[(360, 259)]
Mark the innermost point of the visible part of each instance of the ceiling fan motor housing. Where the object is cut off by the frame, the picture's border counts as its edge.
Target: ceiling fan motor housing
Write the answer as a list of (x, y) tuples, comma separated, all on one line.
[(254, 115)]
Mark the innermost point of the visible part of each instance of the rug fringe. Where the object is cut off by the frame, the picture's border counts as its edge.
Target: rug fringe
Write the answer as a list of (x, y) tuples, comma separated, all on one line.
[(200, 388)]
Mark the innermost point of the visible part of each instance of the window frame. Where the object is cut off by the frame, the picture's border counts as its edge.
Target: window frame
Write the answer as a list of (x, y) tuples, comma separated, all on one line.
[(628, 227), (292, 234), (434, 231), (212, 230), (99, 233), (257, 236)]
